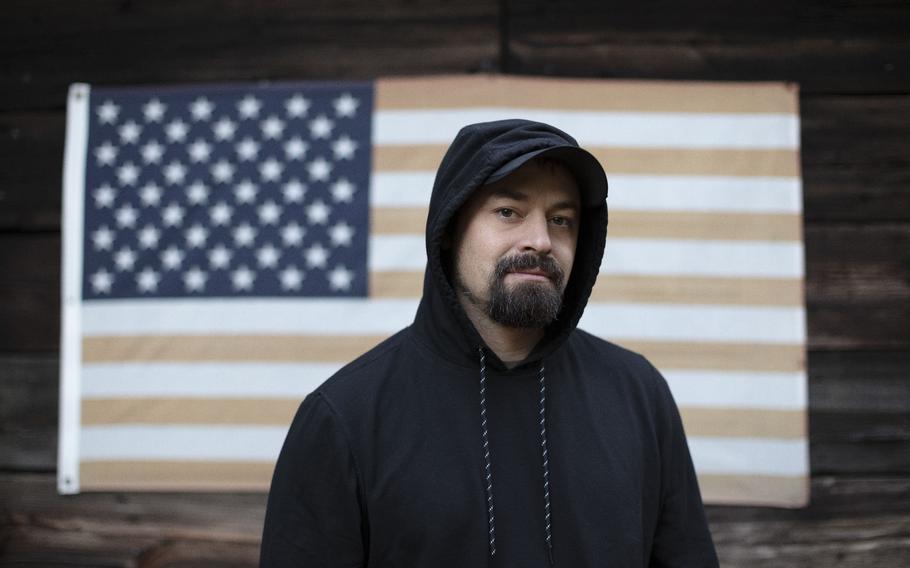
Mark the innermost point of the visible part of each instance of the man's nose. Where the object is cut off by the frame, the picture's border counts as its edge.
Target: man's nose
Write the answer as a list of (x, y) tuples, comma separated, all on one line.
[(536, 235)]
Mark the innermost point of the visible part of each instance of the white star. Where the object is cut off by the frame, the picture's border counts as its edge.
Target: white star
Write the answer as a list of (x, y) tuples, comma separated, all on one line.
[(176, 130), (318, 213), (129, 132), (103, 238), (224, 129), (152, 152), (128, 173), (344, 148), (340, 278), (220, 256), (148, 237), (172, 257), (316, 256), (293, 191), (297, 106), (341, 234), (244, 235), (245, 191), (175, 172), (200, 150), (196, 236), (342, 191), (272, 127), (291, 278), (249, 107), (104, 196), (247, 149), (125, 258), (150, 194), (107, 112), (201, 109), (102, 281), (292, 234), (126, 216), (172, 215), (269, 212), (221, 213), (271, 169), (197, 193), (321, 127), (106, 154), (194, 279), (295, 148), (153, 110), (319, 169), (223, 171), (268, 256), (147, 280), (242, 278), (346, 105)]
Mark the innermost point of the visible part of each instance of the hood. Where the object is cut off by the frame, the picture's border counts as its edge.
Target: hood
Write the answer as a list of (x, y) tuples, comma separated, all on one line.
[(478, 151)]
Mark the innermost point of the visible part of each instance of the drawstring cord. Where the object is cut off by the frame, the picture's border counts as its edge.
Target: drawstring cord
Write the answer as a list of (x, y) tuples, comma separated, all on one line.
[(486, 451), (488, 472)]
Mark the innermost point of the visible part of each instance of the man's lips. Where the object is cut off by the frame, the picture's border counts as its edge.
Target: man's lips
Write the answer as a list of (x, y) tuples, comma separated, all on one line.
[(532, 274)]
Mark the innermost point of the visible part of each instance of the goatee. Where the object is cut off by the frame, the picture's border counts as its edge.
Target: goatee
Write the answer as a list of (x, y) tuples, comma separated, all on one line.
[(525, 304)]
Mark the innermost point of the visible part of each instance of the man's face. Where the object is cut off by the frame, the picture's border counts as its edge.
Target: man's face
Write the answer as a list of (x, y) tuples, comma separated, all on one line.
[(514, 244)]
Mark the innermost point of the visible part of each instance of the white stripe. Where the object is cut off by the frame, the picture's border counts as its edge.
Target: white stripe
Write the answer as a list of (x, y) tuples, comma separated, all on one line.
[(620, 129), (695, 323), (738, 389), (750, 456), (385, 317), (710, 194), (243, 442), (201, 380), (75, 153), (690, 257), (254, 316)]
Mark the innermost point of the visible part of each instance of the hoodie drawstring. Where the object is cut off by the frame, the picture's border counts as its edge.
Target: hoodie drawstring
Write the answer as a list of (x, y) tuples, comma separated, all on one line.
[(488, 472)]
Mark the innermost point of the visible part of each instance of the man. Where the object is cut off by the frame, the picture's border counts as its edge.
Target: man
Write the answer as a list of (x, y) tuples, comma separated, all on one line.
[(492, 432)]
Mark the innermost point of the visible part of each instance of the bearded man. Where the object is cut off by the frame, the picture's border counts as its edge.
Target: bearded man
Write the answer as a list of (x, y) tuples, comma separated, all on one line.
[(492, 431)]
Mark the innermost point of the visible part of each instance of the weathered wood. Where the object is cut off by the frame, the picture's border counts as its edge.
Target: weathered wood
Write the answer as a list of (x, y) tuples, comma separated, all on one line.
[(30, 292), (28, 413), (847, 47), (850, 522), (112, 42)]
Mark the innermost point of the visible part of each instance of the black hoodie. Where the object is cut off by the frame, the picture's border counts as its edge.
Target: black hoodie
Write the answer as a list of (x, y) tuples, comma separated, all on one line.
[(386, 464)]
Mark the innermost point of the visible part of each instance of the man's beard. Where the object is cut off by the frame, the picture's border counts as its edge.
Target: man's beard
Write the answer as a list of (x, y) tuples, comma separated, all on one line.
[(525, 304)]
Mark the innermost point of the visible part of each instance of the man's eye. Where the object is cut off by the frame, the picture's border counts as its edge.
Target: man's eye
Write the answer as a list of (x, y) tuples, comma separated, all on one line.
[(561, 221), (506, 212)]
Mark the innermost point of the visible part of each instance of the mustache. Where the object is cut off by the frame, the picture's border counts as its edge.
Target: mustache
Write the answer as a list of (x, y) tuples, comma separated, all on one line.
[(517, 262)]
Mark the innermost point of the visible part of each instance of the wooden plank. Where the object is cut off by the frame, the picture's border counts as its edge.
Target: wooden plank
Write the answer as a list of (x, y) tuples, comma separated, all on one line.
[(848, 47), (51, 44), (28, 412), (30, 292), (850, 522)]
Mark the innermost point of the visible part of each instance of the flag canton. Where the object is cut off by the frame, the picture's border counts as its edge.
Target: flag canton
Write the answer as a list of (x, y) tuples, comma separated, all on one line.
[(249, 191)]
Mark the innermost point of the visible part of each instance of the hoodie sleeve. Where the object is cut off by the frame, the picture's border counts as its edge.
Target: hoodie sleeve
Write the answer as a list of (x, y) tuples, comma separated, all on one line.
[(313, 517), (682, 538)]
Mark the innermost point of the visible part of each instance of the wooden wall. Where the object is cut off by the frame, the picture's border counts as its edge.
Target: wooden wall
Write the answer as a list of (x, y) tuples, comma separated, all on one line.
[(851, 58)]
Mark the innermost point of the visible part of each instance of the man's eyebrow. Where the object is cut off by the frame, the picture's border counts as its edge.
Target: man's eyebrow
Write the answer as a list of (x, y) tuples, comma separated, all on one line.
[(567, 204), (509, 194)]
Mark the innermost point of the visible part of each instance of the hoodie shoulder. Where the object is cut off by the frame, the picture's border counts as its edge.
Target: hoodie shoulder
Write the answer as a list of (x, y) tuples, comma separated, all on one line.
[(610, 354)]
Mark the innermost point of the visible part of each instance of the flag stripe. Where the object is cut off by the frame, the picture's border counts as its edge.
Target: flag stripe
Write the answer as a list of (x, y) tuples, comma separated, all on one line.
[(702, 388), (246, 442), (622, 129), (764, 490), (638, 289), (627, 256), (639, 224), (584, 94), (667, 162), (314, 318), (632, 192), (329, 349), (698, 421)]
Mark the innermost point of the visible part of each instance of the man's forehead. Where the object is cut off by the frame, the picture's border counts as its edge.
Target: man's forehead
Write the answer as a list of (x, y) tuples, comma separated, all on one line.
[(540, 175)]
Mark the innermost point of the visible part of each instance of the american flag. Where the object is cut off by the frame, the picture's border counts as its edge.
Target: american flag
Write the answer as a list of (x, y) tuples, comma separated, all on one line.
[(227, 248)]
